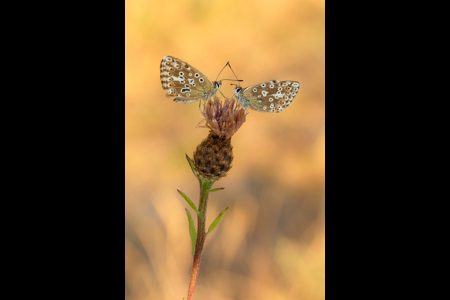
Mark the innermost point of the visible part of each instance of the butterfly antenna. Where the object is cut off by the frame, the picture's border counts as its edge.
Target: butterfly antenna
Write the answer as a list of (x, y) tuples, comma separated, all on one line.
[(228, 63)]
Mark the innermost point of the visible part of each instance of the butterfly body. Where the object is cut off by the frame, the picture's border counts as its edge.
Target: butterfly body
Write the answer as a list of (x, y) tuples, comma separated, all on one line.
[(269, 96), (184, 82)]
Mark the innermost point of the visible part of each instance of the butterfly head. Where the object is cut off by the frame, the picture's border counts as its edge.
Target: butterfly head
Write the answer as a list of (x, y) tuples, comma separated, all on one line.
[(240, 97), (217, 84)]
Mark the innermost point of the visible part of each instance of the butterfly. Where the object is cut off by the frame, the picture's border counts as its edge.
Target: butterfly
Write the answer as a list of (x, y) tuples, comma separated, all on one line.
[(269, 96), (184, 82)]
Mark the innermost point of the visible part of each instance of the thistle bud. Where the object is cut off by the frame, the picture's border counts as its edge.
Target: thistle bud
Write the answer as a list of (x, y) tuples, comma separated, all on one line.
[(214, 155)]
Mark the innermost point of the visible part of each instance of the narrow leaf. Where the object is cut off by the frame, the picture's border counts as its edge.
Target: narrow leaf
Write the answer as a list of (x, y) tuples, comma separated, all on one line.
[(192, 231), (215, 190), (191, 163), (188, 201), (217, 220)]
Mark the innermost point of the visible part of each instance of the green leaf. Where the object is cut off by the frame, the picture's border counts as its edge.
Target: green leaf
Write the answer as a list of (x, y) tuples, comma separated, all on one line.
[(188, 201), (191, 163), (192, 231), (217, 220), (215, 190)]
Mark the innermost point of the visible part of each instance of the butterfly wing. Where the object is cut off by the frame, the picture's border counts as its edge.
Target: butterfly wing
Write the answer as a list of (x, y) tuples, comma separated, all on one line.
[(269, 96), (184, 82)]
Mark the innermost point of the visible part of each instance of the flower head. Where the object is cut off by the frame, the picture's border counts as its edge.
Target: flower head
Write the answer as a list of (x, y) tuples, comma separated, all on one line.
[(214, 155), (224, 119)]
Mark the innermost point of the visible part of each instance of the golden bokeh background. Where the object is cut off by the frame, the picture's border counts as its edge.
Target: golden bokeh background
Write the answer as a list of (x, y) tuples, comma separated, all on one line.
[(271, 242)]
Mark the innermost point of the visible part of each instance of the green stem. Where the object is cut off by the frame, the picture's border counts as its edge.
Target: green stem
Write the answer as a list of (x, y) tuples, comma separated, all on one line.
[(205, 186)]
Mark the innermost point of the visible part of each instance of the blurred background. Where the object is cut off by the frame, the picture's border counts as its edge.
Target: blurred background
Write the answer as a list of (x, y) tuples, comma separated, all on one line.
[(271, 242)]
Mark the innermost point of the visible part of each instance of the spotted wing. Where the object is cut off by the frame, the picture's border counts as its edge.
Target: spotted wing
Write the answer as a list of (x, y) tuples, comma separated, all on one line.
[(270, 96), (184, 82)]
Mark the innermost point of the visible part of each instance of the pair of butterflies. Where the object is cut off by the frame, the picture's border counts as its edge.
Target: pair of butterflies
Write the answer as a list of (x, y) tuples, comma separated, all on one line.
[(187, 84)]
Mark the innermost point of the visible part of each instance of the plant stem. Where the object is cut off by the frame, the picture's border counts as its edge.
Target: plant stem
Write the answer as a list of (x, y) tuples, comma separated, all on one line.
[(205, 186)]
